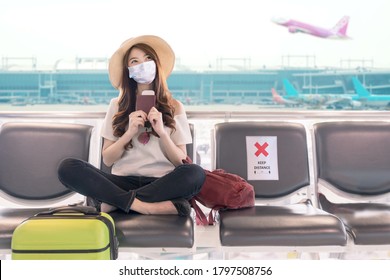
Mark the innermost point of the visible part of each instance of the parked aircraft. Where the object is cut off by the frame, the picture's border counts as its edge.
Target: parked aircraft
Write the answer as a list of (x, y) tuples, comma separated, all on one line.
[(293, 97), (339, 31), (368, 99), (277, 98)]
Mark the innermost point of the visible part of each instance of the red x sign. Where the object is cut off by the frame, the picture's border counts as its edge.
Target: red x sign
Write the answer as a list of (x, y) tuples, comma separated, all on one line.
[(261, 149)]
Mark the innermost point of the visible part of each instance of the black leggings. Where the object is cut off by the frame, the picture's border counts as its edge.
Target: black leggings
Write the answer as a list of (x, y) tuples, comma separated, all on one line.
[(184, 181)]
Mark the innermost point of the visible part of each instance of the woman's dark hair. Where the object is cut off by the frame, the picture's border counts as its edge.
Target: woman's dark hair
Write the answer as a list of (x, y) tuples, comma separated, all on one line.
[(128, 96)]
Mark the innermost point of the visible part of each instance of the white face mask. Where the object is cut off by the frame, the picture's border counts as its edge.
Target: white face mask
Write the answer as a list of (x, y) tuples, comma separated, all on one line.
[(143, 73)]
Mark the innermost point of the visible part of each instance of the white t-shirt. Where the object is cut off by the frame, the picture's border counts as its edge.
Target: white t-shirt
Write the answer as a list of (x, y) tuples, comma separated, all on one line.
[(145, 159)]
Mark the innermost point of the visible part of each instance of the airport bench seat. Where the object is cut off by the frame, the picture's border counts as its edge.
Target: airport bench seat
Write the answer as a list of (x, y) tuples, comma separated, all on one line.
[(30, 154), (353, 166), (273, 222), (153, 231)]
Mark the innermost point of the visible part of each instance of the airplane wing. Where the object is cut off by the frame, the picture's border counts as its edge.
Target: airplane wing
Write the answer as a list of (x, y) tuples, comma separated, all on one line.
[(344, 102), (295, 29), (291, 102), (338, 100)]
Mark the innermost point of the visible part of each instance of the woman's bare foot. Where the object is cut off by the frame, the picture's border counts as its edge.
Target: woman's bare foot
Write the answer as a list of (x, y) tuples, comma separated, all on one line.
[(107, 208), (179, 207), (149, 208)]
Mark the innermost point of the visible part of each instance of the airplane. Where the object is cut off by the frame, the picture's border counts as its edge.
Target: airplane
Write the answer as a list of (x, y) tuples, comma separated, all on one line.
[(294, 98), (367, 98), (277, 98), (339, 31)]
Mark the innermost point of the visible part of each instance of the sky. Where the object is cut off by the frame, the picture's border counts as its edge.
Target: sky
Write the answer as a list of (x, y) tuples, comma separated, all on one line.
[(205, 34)]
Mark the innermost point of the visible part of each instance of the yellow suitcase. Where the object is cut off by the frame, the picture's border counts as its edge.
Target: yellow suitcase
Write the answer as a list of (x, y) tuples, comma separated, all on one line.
[(66, 233)]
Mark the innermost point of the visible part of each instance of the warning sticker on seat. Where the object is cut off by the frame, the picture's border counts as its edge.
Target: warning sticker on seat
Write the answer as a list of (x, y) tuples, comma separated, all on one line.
[(262, 157)]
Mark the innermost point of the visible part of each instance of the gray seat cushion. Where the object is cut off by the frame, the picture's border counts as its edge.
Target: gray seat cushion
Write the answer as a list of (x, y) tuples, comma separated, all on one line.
[(367, 223), (136, 230), (299, 224)]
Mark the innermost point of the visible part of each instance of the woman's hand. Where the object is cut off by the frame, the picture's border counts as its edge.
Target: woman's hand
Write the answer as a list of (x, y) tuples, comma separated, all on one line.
[(136, 119), (113, 150), (155, 118)]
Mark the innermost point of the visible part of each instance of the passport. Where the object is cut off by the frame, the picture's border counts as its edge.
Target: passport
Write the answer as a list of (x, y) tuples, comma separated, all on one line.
[(146, 101)]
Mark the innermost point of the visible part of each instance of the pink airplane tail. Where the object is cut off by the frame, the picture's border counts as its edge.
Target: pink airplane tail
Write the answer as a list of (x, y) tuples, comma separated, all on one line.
[(341, 27), (274, 93), (276, 97)]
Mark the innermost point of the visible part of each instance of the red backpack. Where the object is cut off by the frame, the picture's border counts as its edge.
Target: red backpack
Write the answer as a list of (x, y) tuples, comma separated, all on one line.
[(222, 190)]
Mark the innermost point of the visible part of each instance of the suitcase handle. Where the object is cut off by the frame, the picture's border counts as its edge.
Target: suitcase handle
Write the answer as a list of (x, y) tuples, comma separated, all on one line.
[(86, 210)]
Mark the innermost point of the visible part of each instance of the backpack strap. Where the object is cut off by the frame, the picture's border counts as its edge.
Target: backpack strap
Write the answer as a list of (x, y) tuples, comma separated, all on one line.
[(212, 216), (200, 216)]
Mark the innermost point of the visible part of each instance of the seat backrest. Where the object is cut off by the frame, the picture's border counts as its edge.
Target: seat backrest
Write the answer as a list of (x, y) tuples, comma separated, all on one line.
[(189, 147), (354, 156), (30, 154), (237, 143)]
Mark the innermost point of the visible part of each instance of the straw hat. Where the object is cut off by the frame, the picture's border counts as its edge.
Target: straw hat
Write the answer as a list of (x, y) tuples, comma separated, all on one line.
[(162, 48)]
